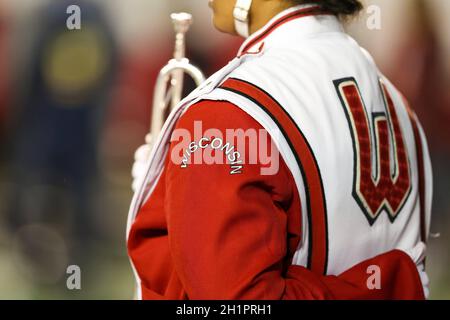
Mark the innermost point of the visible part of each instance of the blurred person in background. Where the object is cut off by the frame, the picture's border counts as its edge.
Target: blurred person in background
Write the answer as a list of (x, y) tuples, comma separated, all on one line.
[(60, 115), (5, 86), (199, 230)]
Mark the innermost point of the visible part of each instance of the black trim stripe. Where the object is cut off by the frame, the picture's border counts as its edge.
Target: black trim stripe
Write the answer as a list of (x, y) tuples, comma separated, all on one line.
[(238, 86)]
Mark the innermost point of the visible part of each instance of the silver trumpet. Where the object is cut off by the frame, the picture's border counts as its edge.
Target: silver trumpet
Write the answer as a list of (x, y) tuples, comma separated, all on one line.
[(169, 84)]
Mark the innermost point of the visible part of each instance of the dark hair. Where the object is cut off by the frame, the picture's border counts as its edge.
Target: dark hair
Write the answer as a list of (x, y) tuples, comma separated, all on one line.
[(341, 8)]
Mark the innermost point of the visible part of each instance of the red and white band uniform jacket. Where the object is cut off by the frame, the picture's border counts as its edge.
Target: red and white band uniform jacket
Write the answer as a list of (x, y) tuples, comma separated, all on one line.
[(289, 174)]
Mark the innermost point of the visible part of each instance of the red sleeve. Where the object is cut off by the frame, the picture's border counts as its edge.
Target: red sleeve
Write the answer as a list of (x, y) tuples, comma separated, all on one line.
[(232, 235)]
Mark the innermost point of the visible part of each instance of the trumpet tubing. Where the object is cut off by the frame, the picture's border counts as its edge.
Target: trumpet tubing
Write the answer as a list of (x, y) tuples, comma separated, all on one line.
[(169, 84)]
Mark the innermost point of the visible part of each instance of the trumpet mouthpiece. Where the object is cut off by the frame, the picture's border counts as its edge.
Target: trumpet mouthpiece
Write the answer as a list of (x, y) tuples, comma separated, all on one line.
[(181, 21)]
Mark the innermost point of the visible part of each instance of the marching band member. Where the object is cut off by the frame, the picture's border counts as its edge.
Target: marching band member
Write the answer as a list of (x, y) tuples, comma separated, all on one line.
[(297, 171)]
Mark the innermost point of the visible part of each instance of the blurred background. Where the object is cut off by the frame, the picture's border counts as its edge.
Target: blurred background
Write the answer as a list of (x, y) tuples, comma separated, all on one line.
[(74, 106)]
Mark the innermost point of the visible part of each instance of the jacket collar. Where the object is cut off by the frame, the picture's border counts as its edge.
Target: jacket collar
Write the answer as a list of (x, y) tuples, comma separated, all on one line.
[(289, 25)]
